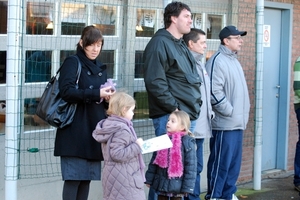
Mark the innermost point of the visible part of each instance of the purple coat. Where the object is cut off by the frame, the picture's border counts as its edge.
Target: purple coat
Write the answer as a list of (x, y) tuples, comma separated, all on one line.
[(121, 177)]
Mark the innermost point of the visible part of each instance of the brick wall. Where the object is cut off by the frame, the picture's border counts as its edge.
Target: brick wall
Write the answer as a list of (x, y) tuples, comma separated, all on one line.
[(247, 21)]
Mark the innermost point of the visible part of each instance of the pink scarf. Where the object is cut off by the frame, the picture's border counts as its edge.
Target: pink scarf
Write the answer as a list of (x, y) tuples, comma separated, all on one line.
[(175, 167)]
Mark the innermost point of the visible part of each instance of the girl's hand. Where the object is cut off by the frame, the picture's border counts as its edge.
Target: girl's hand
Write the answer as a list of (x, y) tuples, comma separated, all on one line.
[(148, 185), (139, 141), (106, 92)]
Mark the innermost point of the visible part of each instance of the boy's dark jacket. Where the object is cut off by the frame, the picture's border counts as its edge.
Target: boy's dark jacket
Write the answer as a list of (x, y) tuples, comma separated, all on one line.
[(157, 177)]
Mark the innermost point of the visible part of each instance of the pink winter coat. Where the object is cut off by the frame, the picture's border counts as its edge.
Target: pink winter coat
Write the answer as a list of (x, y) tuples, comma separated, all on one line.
[(121, 178)]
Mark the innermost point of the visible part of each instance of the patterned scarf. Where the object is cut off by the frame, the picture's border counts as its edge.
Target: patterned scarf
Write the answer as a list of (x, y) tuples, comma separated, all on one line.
[(171, 159)]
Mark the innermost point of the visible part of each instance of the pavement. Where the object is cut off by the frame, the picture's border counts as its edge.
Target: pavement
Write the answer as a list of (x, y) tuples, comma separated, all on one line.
[(273, 187)]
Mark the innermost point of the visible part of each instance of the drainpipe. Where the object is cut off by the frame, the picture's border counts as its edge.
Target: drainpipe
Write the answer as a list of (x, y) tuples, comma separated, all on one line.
[(259, 95)]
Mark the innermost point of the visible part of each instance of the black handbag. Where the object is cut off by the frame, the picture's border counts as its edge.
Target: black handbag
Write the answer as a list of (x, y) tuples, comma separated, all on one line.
[(52, 108)]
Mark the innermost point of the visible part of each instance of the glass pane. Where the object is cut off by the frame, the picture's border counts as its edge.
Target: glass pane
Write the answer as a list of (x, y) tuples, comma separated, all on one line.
[(38, 66), (141, 110), (105, 19), (73, 18), (65, 54), (145, 23), (106, 57), (31, 120), (138, 69), (3, 17), (39, 16), (2, 67), (214, 26), (197, 20)]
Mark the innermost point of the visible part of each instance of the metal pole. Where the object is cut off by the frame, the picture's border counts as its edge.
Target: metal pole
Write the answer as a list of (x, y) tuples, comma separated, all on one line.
[(259, 95), (12, 103)]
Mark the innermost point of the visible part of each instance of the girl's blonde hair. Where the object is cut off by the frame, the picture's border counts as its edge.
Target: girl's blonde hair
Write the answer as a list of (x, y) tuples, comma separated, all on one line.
[(184, 120), (119, 103)]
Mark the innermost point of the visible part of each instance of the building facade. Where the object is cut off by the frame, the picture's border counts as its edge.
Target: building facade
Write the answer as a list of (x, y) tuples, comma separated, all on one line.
[(51, 29)]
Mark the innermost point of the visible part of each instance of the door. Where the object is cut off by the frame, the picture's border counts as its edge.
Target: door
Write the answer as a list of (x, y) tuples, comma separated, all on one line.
[(271, 89), (276, 87)]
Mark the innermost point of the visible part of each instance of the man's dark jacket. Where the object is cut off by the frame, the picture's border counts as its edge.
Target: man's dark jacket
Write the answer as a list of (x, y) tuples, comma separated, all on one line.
[(170, 76)]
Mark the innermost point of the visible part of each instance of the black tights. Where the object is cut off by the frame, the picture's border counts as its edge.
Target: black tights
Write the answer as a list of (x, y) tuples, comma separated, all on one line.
[(76, 190)]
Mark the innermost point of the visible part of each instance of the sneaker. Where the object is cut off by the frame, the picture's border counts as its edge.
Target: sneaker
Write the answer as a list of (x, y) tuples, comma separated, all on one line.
[(235, 198), (297, 188)]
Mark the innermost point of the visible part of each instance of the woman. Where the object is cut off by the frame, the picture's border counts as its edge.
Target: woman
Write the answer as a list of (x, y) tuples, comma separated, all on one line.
[(80, 154)]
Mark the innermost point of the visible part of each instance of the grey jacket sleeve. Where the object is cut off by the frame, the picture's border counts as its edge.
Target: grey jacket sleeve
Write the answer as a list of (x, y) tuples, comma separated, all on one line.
[(218, 97)]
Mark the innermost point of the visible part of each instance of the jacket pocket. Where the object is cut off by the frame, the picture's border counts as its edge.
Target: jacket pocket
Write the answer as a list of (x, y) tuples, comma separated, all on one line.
[(138, 180), (193, 79)]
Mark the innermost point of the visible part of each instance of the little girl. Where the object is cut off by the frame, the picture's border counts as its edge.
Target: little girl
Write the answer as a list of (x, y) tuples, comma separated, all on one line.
[(172, 172), (123, 173)]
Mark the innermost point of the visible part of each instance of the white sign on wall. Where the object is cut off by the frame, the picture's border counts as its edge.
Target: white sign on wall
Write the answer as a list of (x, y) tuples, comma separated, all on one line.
[(266, 35)]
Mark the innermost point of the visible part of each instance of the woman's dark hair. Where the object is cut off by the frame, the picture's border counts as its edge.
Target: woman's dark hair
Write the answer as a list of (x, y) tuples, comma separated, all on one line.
[(173, 9), (90, 35)]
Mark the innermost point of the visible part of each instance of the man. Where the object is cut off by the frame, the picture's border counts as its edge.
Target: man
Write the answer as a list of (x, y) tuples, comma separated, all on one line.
[(230, 102), (170, 73), (297, 111), (196, 42)]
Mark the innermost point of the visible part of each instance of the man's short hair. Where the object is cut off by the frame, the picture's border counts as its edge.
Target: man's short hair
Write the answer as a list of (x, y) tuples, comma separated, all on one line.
[(173, 9), (193, 35)]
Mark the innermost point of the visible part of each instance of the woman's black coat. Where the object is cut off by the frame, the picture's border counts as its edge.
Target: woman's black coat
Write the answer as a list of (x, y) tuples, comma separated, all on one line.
[(76, 139)]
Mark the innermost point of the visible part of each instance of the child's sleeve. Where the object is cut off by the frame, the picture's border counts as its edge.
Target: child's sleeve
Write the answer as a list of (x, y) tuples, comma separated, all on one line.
[(150, 173), (190, 165)]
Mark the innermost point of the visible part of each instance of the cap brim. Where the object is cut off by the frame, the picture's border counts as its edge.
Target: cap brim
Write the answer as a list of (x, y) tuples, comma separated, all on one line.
[(243, 33)]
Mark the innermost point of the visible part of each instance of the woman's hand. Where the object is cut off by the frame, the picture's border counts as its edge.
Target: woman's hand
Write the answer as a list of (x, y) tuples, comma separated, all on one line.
[(106, 93)]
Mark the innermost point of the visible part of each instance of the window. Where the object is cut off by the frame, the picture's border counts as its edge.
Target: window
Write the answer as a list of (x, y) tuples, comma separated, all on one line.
[(141, 110), (3, 17), (197, 20), (105, 19), (39, 16), (2, 67), (213, 26), (138, 69), (145, 23), (73, 18), (38, 66)]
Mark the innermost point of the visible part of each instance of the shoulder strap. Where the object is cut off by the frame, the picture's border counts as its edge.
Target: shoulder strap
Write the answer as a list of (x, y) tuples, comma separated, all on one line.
[(78, 69)]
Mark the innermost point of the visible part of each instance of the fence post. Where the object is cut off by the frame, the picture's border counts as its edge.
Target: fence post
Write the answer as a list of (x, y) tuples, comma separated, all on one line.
[(13, 80)]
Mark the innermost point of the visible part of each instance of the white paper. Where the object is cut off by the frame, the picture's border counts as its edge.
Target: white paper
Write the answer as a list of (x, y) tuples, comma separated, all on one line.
[(156, 143)]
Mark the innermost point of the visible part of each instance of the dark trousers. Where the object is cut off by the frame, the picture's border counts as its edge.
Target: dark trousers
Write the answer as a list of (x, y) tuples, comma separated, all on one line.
[(297, 153), (224, 163)]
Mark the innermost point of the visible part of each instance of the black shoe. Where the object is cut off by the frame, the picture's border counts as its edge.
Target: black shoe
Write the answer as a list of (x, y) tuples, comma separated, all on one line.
[(297, 188)]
